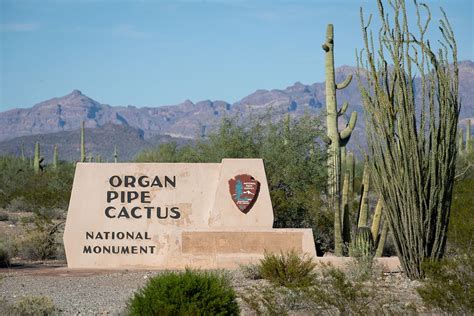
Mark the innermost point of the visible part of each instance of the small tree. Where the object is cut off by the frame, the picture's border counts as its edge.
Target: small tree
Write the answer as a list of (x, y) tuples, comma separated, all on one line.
[(412, 106)]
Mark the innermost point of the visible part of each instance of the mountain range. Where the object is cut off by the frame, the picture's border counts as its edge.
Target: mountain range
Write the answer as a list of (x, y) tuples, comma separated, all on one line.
[(131, 129)]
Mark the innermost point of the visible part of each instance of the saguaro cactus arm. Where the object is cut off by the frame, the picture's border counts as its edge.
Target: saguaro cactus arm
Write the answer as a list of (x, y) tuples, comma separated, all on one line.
[(343, 109), (345, 134), (345, 83)]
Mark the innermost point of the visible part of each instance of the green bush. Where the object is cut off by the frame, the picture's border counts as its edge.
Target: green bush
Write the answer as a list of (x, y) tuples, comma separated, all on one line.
[(187, 293), (288, 269), (4, 255), (4, 216), (7, 251), (449, 284), (33, 306), (461, 221)]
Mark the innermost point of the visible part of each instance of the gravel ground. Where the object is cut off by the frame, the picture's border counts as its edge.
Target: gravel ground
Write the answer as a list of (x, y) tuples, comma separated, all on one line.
[(106, 292), (95, 294)]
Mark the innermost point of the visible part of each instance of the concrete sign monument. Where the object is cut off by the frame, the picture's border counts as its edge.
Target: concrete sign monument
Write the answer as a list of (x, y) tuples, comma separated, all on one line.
[(174, 215)]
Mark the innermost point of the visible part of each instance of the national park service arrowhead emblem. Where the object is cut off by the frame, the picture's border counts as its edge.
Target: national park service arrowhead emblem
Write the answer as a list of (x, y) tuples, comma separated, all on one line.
[(244, 191)]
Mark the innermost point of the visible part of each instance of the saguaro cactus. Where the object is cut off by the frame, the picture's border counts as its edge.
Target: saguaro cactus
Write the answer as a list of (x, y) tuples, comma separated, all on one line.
[(22, 155), (55, 157), (363, 243), (83, 144), (37, 159), (364, 198), (468, 137), (460, 141), (345, 216), (336, 138)]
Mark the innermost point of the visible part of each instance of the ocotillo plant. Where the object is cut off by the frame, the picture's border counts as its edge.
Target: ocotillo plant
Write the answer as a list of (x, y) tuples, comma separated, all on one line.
[(55, 157), (411, 141), (336, 138), (83, 144)]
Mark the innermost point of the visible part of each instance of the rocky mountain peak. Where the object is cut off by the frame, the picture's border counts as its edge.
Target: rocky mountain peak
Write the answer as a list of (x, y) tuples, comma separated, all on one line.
[(75, 93)]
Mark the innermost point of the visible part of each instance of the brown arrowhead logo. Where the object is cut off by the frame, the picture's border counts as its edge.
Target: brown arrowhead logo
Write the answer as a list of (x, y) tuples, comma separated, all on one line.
[(244, 191)]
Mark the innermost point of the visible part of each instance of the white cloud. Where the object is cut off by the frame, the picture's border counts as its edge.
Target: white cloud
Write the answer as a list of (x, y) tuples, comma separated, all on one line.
[(18, 27)]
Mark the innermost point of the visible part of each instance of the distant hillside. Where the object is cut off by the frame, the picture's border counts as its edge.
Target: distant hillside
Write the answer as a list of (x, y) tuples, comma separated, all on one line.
[(61, 116), (99, 141)]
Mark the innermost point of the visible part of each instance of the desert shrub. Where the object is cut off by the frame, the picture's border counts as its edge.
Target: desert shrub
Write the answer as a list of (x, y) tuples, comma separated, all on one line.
[(33, 306), (268, 299), (188, 293), (461, 221), (8, 250), (288, 269), (4, 255), (334, 291), (251, 271), (3, 216), (18, 204), (24, 190), (449, 284), (40, 242), (27, 219)]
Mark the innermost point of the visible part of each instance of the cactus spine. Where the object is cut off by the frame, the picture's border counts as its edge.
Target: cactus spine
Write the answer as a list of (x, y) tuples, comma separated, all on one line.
[(336, 138), (36, 161), (55, 157), (83, 144)]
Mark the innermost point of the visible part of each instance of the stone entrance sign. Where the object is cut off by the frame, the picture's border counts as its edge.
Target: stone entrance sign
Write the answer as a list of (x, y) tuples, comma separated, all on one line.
[(174, 215)]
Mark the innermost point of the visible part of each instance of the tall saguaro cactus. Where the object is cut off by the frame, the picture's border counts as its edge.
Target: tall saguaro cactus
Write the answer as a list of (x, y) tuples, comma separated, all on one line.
[(36, 161), (468, 137), (55, 157), (336, 138), (83, 143)]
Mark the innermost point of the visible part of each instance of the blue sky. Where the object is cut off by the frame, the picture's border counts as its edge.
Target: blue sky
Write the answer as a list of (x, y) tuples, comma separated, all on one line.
[(152, 53)]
